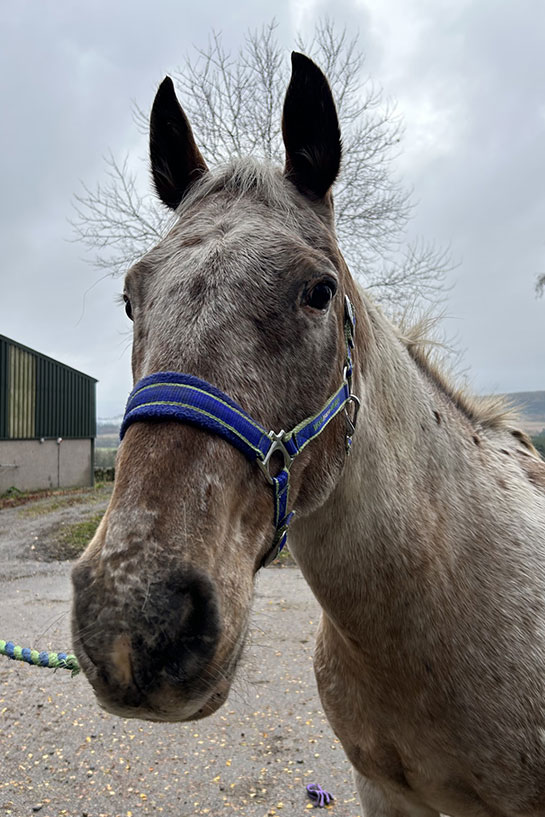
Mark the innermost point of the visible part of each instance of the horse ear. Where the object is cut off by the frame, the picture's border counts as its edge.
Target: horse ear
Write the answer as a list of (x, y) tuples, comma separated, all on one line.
[(311, 130), (176, 162)]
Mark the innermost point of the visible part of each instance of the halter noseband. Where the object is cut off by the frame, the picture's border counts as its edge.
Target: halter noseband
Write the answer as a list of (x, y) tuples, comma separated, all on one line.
[(188, 399)]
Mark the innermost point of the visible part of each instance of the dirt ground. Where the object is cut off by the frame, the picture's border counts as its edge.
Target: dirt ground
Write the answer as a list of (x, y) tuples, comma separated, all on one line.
[(62, 755)]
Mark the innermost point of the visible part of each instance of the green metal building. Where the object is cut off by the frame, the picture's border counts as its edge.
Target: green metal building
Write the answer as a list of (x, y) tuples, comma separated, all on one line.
[(47, 421)]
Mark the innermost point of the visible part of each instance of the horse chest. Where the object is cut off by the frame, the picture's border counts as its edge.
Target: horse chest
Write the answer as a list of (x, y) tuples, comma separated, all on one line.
[(414, 774), (389, 740)]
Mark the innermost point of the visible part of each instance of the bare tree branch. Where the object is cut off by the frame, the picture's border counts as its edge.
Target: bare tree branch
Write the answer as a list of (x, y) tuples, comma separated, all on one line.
[(115, 220), (416, 276)]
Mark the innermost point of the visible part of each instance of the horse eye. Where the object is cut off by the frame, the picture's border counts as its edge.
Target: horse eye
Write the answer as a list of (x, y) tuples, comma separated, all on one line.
[(320, 295), (128, 308)]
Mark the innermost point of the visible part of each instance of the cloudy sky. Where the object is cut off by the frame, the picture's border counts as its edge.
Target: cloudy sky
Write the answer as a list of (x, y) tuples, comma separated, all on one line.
[(468, 80)]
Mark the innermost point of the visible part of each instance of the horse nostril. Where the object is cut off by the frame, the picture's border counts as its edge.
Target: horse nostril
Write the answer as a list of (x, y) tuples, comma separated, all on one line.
[(178, 630), (167, 629)]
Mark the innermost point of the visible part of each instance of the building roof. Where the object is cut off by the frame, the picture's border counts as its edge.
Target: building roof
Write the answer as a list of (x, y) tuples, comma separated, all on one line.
[(45, 357)]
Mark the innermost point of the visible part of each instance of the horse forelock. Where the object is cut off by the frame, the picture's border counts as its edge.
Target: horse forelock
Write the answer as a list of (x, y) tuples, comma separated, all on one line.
[(241, 176)]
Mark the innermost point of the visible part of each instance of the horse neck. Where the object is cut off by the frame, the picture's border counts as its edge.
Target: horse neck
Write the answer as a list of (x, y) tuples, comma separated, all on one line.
[(387, 515)]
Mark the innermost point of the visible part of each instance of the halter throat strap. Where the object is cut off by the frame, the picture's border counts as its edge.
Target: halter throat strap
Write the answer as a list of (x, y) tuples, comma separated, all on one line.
[(188, 399)]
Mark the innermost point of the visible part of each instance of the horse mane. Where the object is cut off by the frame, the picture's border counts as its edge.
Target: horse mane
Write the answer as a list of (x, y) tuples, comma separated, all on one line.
[(494, 412)]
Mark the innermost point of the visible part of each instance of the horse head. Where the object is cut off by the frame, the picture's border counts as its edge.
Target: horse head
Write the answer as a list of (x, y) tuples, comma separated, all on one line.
[(247, 292)]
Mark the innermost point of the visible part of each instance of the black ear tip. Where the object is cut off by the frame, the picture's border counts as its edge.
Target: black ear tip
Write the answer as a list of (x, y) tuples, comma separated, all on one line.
[(166, 88), (167, 81), (303, 68), (301, 62)]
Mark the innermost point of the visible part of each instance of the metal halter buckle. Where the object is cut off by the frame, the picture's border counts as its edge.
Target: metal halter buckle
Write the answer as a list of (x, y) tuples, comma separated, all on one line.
[(277, 445)]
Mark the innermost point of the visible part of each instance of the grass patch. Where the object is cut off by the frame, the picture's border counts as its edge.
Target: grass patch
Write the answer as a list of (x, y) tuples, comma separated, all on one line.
[(56, 505), (12, 493), (73, 539), (13, 497)]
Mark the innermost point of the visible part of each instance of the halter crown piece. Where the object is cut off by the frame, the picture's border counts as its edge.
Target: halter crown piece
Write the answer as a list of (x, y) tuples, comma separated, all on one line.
[(188, 399)]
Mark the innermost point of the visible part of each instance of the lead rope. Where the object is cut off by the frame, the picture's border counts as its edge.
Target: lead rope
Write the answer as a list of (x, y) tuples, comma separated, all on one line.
[(53, 660)]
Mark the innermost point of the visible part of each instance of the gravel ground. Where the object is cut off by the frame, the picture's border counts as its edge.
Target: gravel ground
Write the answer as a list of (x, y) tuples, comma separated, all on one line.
[(61, 755)]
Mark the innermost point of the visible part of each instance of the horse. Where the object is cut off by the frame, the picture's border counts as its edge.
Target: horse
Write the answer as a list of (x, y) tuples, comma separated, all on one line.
[(419, 524)]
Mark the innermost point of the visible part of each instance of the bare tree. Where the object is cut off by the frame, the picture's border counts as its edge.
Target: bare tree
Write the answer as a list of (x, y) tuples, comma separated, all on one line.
[(234, 104), (116, 220), (540, 285)]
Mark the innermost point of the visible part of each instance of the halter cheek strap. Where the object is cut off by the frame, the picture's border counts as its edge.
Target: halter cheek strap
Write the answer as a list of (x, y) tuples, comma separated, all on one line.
[(188, 399)]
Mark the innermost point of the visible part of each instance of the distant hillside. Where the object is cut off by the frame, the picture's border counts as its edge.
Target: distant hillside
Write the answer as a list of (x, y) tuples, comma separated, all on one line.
[(531, 405), (108, 433)]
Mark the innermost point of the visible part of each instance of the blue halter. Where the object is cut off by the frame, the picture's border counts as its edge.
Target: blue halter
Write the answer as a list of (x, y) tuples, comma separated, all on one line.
[(188, 399)]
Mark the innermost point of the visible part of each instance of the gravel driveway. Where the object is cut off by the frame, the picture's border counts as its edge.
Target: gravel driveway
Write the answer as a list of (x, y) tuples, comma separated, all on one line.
[(61, 755)]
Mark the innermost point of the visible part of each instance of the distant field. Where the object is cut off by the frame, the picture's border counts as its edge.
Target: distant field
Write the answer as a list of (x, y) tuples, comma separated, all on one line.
[(106, 443), (107, 440), (531, 405)]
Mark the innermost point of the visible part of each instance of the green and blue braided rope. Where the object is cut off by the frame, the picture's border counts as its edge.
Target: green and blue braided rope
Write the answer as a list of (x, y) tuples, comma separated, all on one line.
[(53, 660)]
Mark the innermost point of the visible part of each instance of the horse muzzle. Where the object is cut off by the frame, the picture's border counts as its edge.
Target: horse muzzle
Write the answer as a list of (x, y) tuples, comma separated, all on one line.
[(151, 654)]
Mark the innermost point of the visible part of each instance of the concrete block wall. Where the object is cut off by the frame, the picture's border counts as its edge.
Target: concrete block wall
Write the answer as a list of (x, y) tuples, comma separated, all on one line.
[(31, 465)]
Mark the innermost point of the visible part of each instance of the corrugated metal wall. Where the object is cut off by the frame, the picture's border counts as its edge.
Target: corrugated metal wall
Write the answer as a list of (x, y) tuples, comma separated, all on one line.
[(4, 357), (40, 397), (21, 395)]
